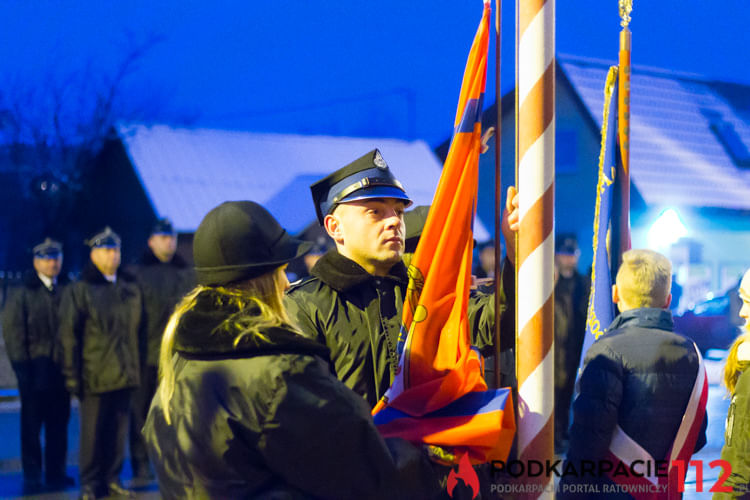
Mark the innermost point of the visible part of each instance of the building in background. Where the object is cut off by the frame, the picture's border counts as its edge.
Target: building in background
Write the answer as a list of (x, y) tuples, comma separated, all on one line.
[(690, 162)]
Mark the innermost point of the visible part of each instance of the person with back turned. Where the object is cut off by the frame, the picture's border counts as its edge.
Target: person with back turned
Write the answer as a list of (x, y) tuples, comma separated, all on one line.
[(246, 406), (640, 391)]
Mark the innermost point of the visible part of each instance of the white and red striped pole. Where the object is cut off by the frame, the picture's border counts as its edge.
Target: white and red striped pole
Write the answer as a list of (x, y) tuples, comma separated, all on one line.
[(535, 164)]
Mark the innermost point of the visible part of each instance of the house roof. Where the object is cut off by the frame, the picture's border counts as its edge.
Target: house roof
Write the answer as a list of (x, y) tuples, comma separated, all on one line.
[(186, 172), (678, 152)]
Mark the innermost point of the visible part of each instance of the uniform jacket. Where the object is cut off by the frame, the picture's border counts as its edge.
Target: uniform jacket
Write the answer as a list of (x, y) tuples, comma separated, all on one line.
[(736, 448), (100, 327), (29, 325), (266, 419), (639, 375), (571, 302), (163, 284), (358, 316)]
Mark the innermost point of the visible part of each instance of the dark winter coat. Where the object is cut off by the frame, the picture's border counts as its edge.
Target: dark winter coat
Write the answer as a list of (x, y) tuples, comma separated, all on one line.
[(358, 316), (30, 325), (571, 302), (638, 375), (100, 327), (266, 419), (736, 448), (163, 284)]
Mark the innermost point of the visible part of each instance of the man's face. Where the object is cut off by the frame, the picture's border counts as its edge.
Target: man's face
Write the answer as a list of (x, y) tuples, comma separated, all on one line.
[(48, 267), (106, 260), (567, 263), (163, 246), (370, 232), (487, 259)]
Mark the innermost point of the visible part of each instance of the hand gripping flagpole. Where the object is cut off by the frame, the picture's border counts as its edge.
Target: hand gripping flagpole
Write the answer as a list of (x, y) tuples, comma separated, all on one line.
[(535, 92)]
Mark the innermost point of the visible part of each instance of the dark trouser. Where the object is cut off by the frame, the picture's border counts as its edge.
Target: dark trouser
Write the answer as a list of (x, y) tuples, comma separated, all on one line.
[(563, 400), (104, 427), (141, 401), (47, 407)]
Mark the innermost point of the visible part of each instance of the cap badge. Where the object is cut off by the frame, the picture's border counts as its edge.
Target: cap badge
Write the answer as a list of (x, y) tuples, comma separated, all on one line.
[(379, 161)]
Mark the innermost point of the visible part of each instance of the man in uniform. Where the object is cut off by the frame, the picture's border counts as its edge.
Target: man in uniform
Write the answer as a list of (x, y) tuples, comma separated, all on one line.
[(101, 321), (352, 301), (30, 329), (164, 277), (571, 302)]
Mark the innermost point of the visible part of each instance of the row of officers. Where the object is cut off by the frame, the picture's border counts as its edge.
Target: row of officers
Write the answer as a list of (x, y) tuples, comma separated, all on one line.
[(96, 339), (99, 340)]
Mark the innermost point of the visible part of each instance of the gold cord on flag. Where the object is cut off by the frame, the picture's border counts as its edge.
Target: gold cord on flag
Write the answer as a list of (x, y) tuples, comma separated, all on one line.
[(626, 7), (609, 87)]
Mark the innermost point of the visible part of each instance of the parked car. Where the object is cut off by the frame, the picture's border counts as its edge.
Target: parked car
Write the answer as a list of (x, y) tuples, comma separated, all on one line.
[(713, 323)]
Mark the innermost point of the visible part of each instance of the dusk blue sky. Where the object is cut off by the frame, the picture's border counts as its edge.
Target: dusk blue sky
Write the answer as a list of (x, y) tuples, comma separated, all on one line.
[(372, 68)]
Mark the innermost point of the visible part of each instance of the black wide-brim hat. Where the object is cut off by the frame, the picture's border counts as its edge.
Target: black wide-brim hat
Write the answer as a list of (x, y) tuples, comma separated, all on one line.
[(240, 240)]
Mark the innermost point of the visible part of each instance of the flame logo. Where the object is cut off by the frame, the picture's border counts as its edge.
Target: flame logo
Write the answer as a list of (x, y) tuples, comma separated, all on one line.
[(467, 474)]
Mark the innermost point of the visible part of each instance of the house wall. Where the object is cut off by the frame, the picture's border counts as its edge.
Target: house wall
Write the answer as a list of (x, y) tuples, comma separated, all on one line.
[(711, 258)]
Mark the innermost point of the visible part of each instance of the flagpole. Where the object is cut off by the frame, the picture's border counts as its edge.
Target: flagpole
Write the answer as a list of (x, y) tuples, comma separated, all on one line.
[(621, 217), (535, 165), (498, 184)]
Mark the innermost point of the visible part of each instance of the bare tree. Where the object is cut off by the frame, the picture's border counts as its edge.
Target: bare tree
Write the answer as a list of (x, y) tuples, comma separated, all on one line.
[(53, 127)]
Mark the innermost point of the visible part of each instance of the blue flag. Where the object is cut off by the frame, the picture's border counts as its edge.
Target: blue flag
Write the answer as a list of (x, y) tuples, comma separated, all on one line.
[(601, 309)]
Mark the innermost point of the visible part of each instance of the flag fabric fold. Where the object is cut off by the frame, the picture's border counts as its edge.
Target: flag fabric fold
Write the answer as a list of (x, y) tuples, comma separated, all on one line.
[(601, 310), (439, 396)]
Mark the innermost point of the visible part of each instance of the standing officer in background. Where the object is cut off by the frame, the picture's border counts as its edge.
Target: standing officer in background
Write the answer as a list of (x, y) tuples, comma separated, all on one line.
[(164, 277), (30, 329), (571, 303), (354, 298), (101, 321)]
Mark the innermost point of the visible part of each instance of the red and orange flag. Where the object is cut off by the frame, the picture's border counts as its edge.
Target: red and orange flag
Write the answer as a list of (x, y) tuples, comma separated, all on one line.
[(439, 395)]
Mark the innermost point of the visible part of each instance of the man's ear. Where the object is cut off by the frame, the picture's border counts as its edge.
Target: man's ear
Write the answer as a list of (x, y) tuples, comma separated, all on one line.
[(333, 227), (615, 294), (668, 302)]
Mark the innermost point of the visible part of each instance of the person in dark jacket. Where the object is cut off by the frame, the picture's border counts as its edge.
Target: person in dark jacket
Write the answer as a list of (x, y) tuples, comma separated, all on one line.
[(571, 302), (30, 330), (101, 322), (637, 377), (736, 448), (246, 406), (353, 301), (164, 277)]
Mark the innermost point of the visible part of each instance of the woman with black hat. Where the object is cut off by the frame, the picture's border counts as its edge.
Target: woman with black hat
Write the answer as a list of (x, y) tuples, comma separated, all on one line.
[(246, 406)]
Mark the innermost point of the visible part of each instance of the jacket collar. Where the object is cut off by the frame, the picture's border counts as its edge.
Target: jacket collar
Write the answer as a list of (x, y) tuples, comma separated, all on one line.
[(342, 273), (31, 280), (149, 259), (644, 317), (210, 329), (91, 274)]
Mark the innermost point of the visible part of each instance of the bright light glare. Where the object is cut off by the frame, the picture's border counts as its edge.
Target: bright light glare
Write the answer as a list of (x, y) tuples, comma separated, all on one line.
[(666, 230)]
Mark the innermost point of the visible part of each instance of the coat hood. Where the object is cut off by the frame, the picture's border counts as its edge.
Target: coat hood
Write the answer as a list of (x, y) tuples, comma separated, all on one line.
[(214, 328)]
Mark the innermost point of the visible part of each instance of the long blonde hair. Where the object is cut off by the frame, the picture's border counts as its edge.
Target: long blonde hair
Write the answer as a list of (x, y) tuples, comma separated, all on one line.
[(733, 367), (266, 293)]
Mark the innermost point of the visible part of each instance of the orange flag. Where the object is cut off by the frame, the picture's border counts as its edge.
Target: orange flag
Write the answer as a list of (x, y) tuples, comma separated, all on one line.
[(439, 395)]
